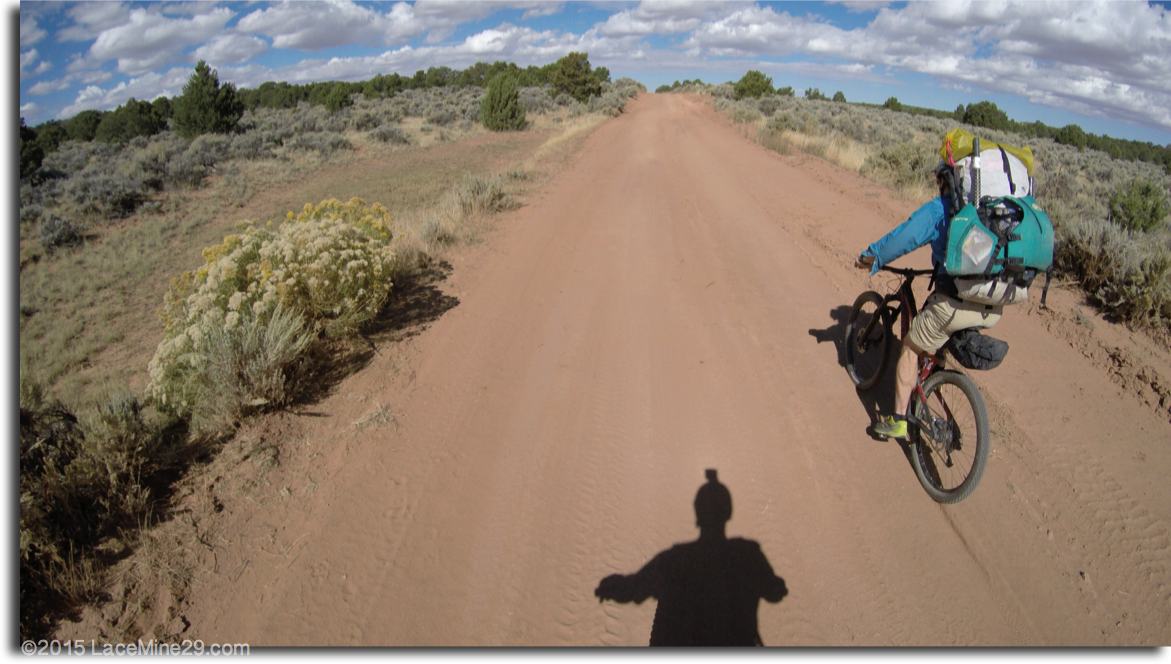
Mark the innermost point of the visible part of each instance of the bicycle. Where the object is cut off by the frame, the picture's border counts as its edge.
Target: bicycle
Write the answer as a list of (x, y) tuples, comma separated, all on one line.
[(947, 422)]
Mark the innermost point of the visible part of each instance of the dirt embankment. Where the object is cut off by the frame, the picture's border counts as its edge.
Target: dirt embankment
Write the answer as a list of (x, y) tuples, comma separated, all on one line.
[(674, 302)]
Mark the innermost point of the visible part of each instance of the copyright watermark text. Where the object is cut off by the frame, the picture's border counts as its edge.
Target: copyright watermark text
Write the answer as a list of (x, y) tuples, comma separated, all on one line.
[(149, 648)]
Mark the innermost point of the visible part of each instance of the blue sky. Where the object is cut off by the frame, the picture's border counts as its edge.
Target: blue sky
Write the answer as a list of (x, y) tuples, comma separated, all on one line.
[(1103, 65)]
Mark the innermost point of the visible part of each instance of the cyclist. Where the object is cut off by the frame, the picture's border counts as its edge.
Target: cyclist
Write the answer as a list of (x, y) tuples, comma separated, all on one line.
[(943, 313)]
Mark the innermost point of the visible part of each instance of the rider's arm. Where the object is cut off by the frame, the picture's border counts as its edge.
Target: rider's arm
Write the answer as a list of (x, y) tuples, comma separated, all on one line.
[(922, 228)]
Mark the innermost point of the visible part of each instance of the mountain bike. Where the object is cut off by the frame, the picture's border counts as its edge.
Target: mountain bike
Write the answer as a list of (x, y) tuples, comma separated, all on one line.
[(947, 422)]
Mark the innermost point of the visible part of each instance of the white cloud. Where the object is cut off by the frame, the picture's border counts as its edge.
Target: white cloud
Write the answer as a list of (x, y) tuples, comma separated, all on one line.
[(538, 9), (231, 49), (91, 18), (45, 87), (29, 110), (30, 32), (664, 17), (194, 8), (149, 40), (860, 6), (315, 26), (320, 25), (1105, 59), (26, 61)]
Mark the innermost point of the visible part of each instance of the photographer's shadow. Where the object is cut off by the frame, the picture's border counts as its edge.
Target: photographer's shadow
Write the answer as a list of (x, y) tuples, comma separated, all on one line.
[(707, 590)]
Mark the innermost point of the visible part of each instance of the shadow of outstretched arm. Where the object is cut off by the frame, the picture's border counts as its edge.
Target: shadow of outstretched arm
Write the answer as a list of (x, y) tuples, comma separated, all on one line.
[(627, 588)]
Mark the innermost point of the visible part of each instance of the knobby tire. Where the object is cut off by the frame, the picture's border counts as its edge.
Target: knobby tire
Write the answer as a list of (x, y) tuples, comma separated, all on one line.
[(866, 366), (967, 451)]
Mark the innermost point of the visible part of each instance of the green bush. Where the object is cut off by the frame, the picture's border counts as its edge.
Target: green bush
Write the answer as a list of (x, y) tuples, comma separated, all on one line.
[(56, 232), (31, 154), (815, 94), (387, 134), (573, 76), (132, 119), (98, 192), (901, 164), (338, 98), (501, 110), (1138, 206), (768, 106), (1129, 280), (206, 107), (986, 114), (839, 96), (83, 126), (1071, 135), (753, 84), (893, 104)]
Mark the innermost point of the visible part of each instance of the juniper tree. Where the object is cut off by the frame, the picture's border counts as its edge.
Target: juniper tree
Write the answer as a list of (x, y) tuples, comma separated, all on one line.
[(501, 110), (206, 107), (753, 84), (573, 76)]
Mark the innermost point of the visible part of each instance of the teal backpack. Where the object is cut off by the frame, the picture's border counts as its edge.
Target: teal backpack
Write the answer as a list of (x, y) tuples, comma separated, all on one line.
[(996, 246), (1006, 237)]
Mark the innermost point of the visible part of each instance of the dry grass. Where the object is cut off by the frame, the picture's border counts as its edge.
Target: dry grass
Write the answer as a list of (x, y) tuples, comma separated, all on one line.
[(836, 147)]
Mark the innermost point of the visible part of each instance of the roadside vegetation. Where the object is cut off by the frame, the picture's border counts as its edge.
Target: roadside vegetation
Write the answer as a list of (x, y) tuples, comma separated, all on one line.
[(1110, 213), (140, 356)]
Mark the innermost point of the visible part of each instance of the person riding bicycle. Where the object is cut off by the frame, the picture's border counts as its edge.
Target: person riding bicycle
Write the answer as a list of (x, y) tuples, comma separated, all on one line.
[(943, 313)]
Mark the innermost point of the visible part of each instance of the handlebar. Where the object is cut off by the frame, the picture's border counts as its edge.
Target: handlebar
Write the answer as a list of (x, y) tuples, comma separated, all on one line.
[(904, 271)]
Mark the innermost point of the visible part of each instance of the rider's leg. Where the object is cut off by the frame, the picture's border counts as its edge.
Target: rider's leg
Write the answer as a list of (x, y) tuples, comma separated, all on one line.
[(906, 372), (894, 425)]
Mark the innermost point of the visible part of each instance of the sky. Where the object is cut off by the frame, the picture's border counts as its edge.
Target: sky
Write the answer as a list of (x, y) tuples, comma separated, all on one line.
[(1105, 66)]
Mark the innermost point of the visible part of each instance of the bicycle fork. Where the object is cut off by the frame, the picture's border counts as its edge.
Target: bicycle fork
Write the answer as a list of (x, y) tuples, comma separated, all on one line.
[(942, 434)]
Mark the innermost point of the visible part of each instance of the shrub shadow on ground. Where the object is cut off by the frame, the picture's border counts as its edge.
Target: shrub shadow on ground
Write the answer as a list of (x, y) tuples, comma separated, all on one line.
[(414, 303)]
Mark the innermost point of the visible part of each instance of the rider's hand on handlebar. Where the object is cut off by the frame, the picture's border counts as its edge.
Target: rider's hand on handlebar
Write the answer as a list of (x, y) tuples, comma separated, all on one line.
[(863, 261)]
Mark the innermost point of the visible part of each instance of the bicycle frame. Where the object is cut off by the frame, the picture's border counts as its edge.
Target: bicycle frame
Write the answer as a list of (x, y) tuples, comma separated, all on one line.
[(905, 297)]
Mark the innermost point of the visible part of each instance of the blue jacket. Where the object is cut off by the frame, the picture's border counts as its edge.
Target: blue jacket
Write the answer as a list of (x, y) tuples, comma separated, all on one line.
[(927, 225)]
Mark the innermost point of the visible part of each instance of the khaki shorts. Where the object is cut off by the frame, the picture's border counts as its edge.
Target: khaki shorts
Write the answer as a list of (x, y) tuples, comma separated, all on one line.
[(942, 315)]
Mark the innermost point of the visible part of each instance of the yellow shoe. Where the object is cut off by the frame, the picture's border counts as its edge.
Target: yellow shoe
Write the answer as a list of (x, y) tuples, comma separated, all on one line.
[(890, 427)]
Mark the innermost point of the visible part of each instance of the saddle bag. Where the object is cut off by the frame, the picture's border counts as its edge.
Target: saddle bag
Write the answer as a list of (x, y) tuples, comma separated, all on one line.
[(977, 351)]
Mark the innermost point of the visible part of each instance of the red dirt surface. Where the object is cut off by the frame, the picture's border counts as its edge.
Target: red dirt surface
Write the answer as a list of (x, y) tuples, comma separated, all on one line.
[(675, 301)]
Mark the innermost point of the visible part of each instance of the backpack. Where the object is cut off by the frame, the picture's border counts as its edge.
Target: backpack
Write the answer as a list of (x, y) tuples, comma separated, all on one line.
[(999, 239), (1001, 170)]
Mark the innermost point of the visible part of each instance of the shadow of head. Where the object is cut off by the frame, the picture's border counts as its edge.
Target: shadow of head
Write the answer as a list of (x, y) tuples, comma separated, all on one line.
[(713, 506)]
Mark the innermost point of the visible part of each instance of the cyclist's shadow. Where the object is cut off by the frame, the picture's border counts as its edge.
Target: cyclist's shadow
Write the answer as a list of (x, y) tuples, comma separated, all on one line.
[(707, 590), (881, 397)]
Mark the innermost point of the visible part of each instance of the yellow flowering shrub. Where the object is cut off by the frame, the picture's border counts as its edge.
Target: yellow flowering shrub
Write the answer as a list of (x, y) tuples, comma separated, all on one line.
[(330, 264)]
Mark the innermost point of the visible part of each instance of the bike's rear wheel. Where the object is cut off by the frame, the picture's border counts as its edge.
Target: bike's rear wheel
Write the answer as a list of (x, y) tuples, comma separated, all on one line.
[(867, 356), (949, 436)]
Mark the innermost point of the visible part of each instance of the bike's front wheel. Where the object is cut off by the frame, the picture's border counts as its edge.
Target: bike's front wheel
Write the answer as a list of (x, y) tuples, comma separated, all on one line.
[(949, 436), (868, 341)]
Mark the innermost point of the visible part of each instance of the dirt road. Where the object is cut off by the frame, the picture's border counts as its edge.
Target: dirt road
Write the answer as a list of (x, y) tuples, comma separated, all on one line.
[(673, 302)]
